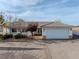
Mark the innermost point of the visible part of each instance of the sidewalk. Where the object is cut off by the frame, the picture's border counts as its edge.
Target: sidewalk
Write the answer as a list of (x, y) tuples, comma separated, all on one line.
[(21, 44)]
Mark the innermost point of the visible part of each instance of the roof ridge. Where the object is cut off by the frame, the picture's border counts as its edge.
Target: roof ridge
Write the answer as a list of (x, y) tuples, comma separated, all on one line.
[(47, 24)]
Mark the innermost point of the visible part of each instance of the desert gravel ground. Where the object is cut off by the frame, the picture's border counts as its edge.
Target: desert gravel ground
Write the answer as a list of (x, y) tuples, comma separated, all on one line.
[(66, 49), (22, 50)]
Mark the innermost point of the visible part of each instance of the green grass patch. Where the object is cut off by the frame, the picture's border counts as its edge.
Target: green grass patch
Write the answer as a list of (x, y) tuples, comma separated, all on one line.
[(1, 39)]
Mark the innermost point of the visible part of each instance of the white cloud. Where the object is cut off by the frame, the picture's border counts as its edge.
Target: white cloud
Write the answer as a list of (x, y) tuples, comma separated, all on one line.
[(31, 2), (15, 6), (31, 13), (27, 13), (20, 2), (64, 1)]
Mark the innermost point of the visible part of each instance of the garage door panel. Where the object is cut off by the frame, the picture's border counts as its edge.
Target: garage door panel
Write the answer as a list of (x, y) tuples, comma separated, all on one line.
[(56, 33)]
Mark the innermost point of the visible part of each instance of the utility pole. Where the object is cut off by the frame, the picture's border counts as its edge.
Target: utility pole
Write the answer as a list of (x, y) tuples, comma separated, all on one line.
[(10, 21)]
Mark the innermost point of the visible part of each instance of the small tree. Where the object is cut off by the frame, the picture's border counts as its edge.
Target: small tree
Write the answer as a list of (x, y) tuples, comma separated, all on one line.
[(1, 19), (32, 28)]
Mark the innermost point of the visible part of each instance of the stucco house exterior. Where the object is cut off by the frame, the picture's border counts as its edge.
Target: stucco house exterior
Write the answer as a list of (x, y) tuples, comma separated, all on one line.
[(50, 30), (4, 27), (57, 30)]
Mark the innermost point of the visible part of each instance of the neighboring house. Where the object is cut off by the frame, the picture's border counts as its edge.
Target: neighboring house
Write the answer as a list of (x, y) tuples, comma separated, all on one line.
[(57, 30), (75, 30), (4, 29), (1, 29)]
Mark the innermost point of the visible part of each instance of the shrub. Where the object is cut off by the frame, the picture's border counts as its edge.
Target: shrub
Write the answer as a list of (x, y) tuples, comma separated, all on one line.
[(1, 38), (19, 36), (7, 36)]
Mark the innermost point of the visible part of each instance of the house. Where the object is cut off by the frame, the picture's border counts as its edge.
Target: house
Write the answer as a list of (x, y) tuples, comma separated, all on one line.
[(4, 29), (17, 27), (75, 30), (50, 30), (57, 30), (21, 27)]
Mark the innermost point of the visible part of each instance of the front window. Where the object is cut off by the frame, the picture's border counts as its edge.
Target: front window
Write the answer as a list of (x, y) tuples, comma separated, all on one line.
[(14, 30), (40, 31)]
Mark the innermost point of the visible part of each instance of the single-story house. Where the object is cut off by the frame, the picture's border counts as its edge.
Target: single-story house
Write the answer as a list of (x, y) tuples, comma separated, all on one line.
[(50, 30)]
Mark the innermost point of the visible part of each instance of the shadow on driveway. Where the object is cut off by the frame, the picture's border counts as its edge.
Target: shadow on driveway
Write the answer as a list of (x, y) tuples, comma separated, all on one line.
[(19, 48)]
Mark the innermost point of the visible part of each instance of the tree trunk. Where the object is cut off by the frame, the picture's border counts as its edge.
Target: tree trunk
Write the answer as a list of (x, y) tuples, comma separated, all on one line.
[(32, 33)]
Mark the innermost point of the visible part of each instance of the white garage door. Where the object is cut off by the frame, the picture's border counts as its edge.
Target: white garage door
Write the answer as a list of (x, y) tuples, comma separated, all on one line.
[(57, 33)]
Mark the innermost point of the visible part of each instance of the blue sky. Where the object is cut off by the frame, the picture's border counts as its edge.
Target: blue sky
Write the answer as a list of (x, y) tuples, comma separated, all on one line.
[(43, 10)]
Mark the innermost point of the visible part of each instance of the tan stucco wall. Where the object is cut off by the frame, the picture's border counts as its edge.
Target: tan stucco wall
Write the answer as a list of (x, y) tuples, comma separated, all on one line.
[(5, 30)]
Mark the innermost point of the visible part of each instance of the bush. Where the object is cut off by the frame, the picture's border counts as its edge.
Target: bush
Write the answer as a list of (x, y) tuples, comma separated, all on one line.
[(1, 38), (7, 36), (19, 36)]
